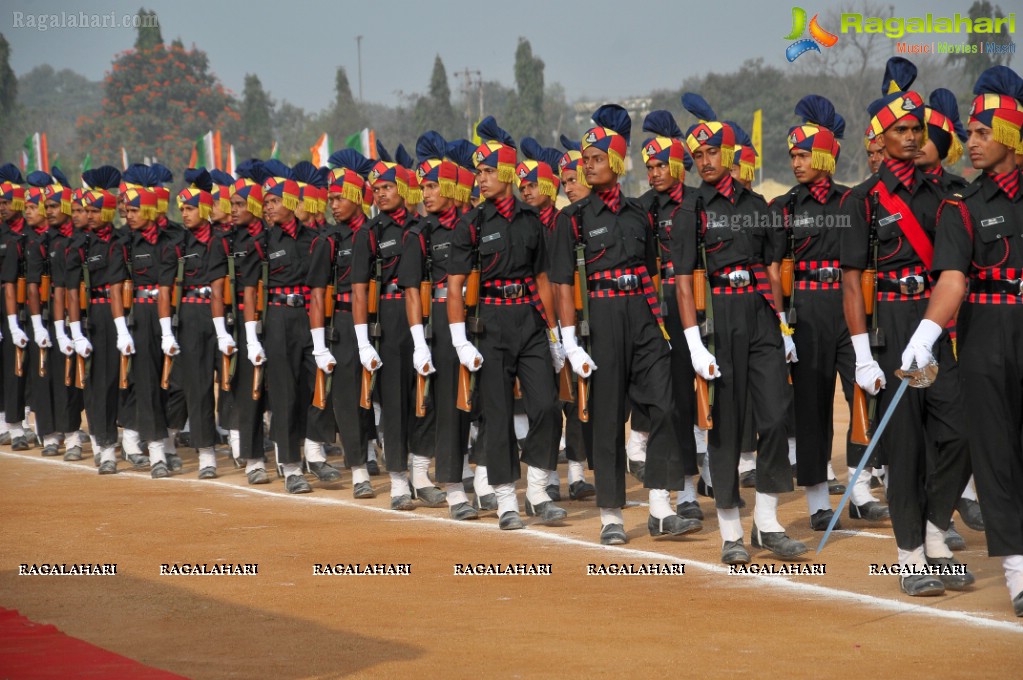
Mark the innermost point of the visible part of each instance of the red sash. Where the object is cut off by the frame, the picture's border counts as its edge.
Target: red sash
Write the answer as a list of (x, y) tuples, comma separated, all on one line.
[(908, 223)]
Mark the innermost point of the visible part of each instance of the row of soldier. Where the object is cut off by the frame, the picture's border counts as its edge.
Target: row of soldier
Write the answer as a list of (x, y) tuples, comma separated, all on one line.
[(451, 307)]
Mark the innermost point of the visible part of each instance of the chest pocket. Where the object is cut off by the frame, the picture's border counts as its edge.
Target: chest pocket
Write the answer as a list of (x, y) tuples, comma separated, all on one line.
[(96, 262), (634, 232), (141, 262), (491, 244), (279, 260), (805, 225), (888, 226), (719, 231), (440, 252), (599, 237), (993, 228), (664, 227), (390, 245)]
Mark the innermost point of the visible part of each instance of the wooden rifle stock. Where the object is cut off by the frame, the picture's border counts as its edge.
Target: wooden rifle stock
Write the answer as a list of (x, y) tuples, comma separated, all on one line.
[(472, 288), (20, 290), (42, 362), (860, 419), (421, 390), (788, 272), (517, 389), (127, 294), (19, 361), (320, 390), (565, 391), (80, 374), (228, 292), (583, 398), (68, 370), (260, 297), (700, 289), (168, 364), (83, 300), (867, 282), (372, 298), (44, 288), (703, 418), (122, 383), (426, 298), (366, 393), (577, 293), (463, 402), (225, 372), (257, 382), (328, 302)]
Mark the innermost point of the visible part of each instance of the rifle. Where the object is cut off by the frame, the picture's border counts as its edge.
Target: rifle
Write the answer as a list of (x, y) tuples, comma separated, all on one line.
[(261, 304), (322, 383), (864, 408), (582, 300), (83, 364), (44, 307), (369, 378), (20, 287), (467, 378), (788, 263), (426, 301), (704, 391), (127, 295), (168, 360), (228, 363)]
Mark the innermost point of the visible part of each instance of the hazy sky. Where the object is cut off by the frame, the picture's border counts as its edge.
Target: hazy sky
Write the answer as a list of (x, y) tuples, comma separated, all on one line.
[(596, 49)]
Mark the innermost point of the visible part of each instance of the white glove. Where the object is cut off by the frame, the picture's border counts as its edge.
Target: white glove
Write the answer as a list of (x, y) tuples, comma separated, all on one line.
[(18, 336), (919, 347), (168, 343), (82, 345), (422, 359), (557, 350), (367, 355), (257, 357), (39, 332), (325, 361), (790, 344), (125, 344), (704, 363), (64, 344), (582, 363), (869, 375), (468, 355), (225, 342)]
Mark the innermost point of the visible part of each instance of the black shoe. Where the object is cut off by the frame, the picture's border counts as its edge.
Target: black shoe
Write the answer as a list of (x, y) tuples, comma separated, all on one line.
[(958, 576), (403, 503), (554, 491), (704, 490), (174, 463), (325, 472), (953, 539), (1017, 604), (547, 512), (637, 468), (74, 453), (873, 511), (297, 484), (487, 501), (183, 439), (969, 512), (96, 458), (689, 510), (734, 552), (613, 534), (921, 585), (835, 487), (778, 543), (462, 512), (5, 438), (672, 525), (268, 445), (469, 484), (50, 450), (257, 476), (510, 521), (159, 470), (820, 520), (208, 472), (137, 460), (363, 490), (748, 479), (331, 450), (108, 467), (430, 496), (20, 444), (372, 468), (581, 490)]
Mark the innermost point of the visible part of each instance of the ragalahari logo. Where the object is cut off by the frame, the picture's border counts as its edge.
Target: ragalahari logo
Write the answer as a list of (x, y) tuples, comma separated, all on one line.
[(818, 36)]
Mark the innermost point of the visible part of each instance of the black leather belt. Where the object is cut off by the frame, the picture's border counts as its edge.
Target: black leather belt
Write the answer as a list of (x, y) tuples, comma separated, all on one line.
[(907, 285), (509, 291), (288, 300), (822, 275), (99, 294), (997, 286), (623, 284), (342, 305), (740, 278)]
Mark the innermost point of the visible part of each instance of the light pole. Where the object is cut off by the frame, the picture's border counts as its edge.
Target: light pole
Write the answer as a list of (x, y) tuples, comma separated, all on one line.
[(358, 47)]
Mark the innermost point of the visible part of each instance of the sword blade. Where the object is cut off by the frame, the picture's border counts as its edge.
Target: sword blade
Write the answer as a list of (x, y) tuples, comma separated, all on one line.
[(863, 461)]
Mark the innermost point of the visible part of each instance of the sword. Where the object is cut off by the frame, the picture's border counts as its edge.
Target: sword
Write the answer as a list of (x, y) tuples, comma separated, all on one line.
[(863, 461)]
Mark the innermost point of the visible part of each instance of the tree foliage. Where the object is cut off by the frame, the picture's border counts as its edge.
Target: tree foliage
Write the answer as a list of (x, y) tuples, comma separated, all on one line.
[(256, 123), (526, 114), (8, 94)]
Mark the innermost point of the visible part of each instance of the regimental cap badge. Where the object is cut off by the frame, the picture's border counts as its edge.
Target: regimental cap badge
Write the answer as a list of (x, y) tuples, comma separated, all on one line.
[(591, 138), (702, 136)]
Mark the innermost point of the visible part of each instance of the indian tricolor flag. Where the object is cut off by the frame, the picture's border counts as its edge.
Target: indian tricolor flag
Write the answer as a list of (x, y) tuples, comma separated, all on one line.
[(36, 155), (232, 160), (203, 153), (364, 142), (321, 150)]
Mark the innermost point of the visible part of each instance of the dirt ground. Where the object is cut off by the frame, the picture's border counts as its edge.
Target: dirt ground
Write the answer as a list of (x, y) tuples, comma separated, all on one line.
[(285, 622)]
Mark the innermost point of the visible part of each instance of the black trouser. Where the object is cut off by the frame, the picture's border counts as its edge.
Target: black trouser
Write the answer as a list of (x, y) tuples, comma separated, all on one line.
[(749, 351), (346, 389), (41, 392), (14, 387), (149, 417), (452, 428), (514, 345), (246, 413), (927, 424), (403, 432), (290, 369), (575, 442), (825, 353), (101, 393), (67, 399), (633, 363), (320, 426), (990, 342), (682, 377)]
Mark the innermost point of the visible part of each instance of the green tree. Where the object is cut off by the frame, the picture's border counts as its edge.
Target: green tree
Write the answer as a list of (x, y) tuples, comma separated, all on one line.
[(149, 35), (345, 116), (526, 114), (256, 123), (8, 94), (434, 111), (972, 65)]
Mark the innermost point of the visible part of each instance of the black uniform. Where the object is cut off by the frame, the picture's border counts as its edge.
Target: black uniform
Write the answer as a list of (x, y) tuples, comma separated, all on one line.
[(980, 233), (67, 399), (41, 390), (320, 425), (403, 433), (903, 288), (427, 256), (12, 266), (627, 344), (740, 244), (821, 334), (175, 397), (514, 341), (332, 253), (245, 413)]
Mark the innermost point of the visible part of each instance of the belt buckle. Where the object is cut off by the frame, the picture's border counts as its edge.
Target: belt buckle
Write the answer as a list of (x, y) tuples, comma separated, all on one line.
[(627, 282), (295, 300), (911, 285), (829, 275), (511, 290), (1019, 293), (740, 278)]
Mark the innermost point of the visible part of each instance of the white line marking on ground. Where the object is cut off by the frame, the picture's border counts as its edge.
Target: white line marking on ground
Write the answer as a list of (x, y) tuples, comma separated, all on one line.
[(781, 583)]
